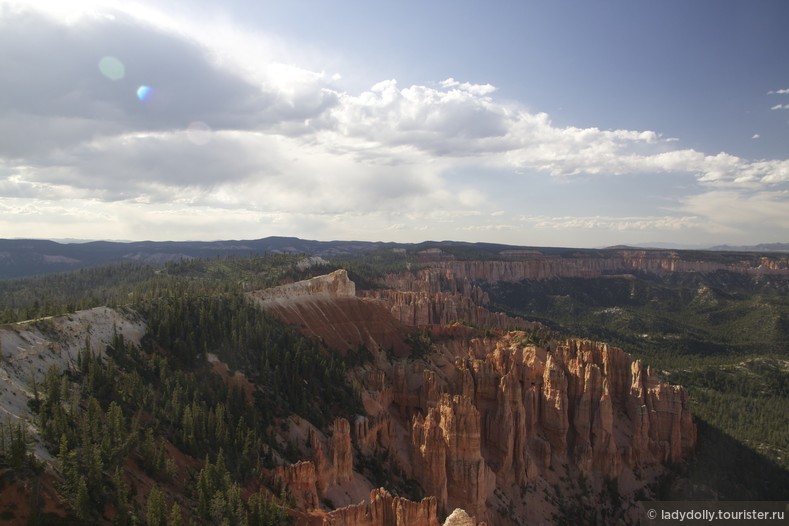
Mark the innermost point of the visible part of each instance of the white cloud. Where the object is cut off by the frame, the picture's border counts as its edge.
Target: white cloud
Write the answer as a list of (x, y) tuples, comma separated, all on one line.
[(780, 107), (784, 91), (279, 144), (476, 89), (755, 136), (609, 223), (741, 214), (488, 228)]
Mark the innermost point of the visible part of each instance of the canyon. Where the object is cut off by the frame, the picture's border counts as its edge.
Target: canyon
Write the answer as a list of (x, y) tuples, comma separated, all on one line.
[(470, 416), (492, 424)]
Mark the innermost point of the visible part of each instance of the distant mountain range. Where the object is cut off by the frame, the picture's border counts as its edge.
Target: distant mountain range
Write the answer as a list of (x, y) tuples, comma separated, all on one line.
[(27, 257), (761, 247)]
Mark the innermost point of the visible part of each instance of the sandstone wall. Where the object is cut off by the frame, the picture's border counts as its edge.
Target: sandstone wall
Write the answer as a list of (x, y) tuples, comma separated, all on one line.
[(524, 410), (385, 510), (333, 458), (332, 285), (491, 413)]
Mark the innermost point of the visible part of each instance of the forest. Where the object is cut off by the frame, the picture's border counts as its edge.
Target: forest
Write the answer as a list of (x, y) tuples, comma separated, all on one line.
[(138, 404), (154, 406)]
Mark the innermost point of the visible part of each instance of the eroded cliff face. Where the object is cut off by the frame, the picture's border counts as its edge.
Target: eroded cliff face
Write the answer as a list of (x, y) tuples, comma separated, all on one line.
[(447, 455), (495, 426), (333, 458), (334, 285), (326, 307), (537, 266), (448, 290), (440, 297), (580, 403), (301, 480), (384, 509), (511, 414)]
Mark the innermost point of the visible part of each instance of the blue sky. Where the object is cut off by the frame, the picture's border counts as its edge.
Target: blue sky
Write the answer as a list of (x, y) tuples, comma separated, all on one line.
[(538, 123)]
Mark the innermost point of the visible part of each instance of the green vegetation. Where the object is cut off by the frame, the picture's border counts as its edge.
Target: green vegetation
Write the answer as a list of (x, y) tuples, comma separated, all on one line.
[(671, 321), (723, 335), (748, 400), (295, 375), (134, 406), (131, 407), (132, 283)]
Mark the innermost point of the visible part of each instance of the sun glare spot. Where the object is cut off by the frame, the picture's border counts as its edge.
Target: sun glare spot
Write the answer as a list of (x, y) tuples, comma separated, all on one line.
[(112, 68), (144, 93)]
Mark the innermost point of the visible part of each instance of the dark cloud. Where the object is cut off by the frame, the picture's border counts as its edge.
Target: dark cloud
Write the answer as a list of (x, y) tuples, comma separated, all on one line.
[(55, 95), (153, 165)]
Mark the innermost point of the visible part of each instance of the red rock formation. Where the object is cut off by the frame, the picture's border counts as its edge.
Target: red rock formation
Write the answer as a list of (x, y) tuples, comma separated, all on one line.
[(327, 308), (447, 291), (525, 409), (334, 285), (406, 388), (576, 388), (774, 264), (554, 417), (469, 479), (436, 296), (446, 452), (441, 308), (494, 412), (660, 412), (429, 455), (300, 479), (385, 510), (372, 432), (430, 391), (336, 466), (340, 450), (541, 266)]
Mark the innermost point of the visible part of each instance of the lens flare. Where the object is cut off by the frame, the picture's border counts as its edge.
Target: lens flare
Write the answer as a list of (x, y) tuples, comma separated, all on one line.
[(144, 93), (112, 68)]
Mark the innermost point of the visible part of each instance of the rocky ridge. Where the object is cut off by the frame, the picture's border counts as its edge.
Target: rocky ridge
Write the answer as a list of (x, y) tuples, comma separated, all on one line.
[(438, 296), (536, 265), (485, 424), (327, 308), (384, 509), (489, 424)]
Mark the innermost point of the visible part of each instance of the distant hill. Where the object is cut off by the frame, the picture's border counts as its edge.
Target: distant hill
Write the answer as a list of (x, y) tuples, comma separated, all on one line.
[(761, 247), (26, 257), (29, 257)]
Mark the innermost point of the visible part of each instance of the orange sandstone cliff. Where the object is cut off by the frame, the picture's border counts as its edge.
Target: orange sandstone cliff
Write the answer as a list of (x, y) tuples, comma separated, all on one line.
[(494, 428)]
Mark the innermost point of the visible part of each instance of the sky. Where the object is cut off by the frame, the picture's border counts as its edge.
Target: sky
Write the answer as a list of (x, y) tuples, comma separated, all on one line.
[(542, 123)]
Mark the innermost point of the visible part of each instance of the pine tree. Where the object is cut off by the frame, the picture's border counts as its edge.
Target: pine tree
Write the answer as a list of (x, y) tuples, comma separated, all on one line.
[(82, 501), (155, 508), (176, 517)]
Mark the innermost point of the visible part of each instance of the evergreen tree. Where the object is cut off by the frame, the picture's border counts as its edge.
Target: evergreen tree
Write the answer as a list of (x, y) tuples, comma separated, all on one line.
[(155, 508)]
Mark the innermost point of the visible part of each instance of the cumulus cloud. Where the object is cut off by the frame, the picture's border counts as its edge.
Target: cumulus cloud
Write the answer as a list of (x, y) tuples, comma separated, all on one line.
[(784, 91), (476, 89), (780, 107), (230, 125)]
